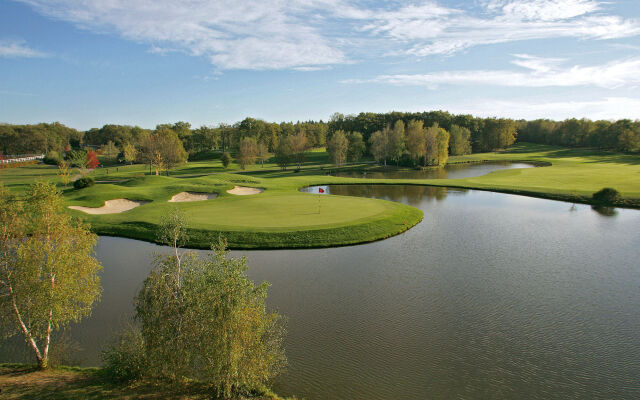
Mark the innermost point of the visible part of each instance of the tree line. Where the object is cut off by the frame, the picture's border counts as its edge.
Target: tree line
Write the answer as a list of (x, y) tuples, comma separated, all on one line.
[(374, 134)]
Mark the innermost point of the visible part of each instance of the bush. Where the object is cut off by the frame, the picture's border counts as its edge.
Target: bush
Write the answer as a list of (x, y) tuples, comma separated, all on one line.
[(203, 319), (606, 196), (226, 159), (124, 360), (52, 158), (83, 182)]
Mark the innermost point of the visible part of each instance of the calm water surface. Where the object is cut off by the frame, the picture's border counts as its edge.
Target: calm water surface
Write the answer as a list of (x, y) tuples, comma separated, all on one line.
[(490, 296), (451, 171)]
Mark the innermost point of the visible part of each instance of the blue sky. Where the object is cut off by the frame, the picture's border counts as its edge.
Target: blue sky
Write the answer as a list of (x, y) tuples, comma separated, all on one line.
[(143, 62)]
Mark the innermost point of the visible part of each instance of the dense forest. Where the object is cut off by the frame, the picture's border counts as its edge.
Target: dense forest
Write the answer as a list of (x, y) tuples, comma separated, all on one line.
[(416, 138)]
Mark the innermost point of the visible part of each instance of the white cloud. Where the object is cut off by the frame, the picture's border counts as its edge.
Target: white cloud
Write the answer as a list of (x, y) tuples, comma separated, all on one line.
[(276, 34), (447, 31), (17, 49), (542, 73), (545, 10), (609, 108), (251, 34)]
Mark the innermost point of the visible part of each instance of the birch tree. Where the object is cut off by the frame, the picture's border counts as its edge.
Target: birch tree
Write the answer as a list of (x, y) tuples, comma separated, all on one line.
[(48, 271), (202, 318)]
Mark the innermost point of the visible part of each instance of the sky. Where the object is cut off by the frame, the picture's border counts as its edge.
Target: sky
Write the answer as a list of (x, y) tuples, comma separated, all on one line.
[(87, 63)]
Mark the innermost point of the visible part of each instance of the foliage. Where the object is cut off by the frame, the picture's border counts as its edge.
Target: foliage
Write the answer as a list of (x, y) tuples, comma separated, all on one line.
[(416, 140), (76, 158), (125, 359), (109, 150), (162, 149), (498, 134), (436, 145), (40, 138), (460, 140), (397, 141), (204, 319), (226, 159), (299, 145), (337, 147), (606, 196), (247, 152), (48, 272), (284, 154), (263, 153), (357, 146), (64, 172), (52, 158), (92, 160), (130, 153), (83, 182)]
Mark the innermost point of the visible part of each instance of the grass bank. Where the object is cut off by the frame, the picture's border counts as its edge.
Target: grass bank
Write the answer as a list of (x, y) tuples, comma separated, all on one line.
[(21, 382)]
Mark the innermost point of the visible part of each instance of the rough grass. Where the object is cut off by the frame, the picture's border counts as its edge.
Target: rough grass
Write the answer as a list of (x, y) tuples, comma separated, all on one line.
[(22, 382)]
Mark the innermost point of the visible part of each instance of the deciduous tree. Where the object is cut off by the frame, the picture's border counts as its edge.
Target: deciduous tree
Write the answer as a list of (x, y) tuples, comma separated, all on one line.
[(130, 153), (459, 141), (204, 319), (356, 146), (48, 272), (247, 152), (337, 148), (415, 140)]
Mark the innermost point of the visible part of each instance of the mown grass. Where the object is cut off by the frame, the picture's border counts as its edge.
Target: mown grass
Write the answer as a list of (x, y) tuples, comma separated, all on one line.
[(22, 382), (282, 217)]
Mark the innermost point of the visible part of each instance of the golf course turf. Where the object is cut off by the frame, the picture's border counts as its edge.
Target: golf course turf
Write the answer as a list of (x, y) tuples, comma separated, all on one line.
[(283, 217)]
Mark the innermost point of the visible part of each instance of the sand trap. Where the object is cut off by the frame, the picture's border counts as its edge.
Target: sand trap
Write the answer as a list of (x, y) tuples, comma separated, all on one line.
[(192, 196), (244, 191), (111, 207)]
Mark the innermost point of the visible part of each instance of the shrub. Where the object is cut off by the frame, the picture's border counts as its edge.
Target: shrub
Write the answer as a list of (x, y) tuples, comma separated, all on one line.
[(124, 360), (606, 196), (226, 159), (83, 182), (52, 158)]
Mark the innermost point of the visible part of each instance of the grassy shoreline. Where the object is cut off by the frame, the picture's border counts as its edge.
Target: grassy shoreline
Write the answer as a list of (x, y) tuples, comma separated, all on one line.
[(24, 381)]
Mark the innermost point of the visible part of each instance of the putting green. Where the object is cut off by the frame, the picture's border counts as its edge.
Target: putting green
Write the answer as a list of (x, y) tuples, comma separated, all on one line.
[(279, 217)]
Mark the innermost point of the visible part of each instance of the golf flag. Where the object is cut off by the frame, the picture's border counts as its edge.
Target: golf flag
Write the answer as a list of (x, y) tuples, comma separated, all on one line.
[(320, 190)]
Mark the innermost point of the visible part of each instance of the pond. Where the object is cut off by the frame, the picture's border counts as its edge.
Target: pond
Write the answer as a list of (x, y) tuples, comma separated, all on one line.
[(490, 296), (449, 171)]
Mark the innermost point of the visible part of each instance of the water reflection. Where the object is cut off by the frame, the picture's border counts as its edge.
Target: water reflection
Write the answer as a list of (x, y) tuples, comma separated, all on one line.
[(604, 210), (409, 194), (451, 171)]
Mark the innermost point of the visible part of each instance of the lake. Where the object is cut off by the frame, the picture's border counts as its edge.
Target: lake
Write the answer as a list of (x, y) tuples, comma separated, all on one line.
[(490, 296), (449, 171)]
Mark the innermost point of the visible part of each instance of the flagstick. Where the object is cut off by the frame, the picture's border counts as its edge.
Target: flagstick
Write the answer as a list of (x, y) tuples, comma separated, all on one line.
[(319, 195)]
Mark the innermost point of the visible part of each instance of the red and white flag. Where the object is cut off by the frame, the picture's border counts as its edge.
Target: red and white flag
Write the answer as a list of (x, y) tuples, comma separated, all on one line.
[(320, 190)]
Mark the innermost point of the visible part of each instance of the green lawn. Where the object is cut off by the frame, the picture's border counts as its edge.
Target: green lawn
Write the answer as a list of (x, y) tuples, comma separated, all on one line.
[(282, 217), (574, 174)]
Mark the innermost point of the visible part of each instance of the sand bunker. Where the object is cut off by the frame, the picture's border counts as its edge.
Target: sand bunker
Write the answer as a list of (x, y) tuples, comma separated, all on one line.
[(192, 196), (244, 191), (111, 206)]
